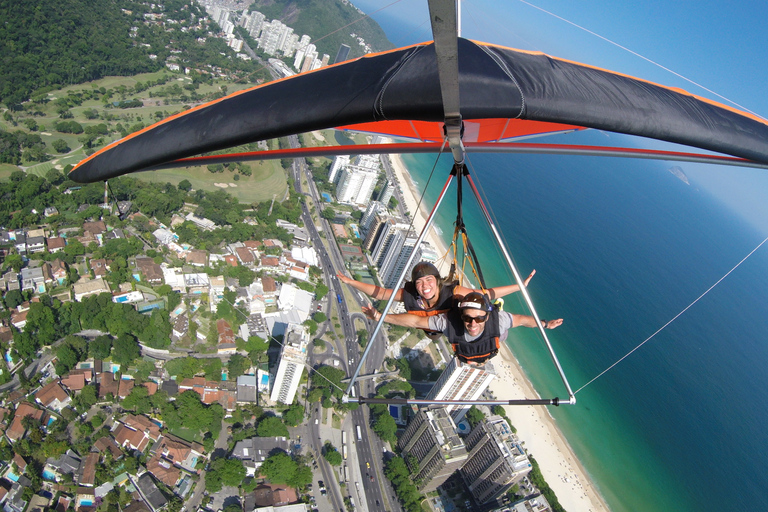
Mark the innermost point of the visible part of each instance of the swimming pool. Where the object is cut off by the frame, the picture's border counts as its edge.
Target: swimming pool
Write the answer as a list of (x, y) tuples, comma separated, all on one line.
[(48, 475), (12, 476)]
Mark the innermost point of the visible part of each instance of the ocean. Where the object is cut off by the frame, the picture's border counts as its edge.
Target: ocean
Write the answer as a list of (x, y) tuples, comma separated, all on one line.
[(621, 247)]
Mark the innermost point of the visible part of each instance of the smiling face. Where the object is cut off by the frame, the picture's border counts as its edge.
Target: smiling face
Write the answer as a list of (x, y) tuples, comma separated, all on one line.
[(472, 326), (427, 287)]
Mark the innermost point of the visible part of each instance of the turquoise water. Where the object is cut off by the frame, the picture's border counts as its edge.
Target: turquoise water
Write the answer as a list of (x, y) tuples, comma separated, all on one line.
[(620, 248), (48, 475)]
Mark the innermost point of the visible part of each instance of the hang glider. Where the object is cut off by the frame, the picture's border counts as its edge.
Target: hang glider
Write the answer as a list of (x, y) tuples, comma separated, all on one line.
[(505, 94), (468, 95)]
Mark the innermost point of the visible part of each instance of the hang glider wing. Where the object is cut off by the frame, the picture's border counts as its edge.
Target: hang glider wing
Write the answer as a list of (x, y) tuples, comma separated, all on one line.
[(504, 94)]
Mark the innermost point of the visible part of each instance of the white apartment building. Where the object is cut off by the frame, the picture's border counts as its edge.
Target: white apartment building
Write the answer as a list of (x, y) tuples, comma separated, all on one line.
[(403, 244), (461, 381), (356, 184), (293, 356), (339, 162)]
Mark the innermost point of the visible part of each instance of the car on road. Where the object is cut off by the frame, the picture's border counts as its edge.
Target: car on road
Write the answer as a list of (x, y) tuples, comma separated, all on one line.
[(368, 465)]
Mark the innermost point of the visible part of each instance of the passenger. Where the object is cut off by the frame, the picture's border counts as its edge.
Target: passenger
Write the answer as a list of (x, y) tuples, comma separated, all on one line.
[(474, 328), (427, 294)]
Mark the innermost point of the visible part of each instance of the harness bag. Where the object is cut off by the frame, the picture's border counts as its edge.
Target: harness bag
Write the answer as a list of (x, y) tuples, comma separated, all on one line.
[(484, 347), (444, 303)]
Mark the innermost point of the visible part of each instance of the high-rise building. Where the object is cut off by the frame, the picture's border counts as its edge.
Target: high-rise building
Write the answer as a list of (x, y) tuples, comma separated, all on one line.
[(339, 162), (342, 54), (274, 35), (386, 192), (369, 216), (356, 184), (461, 381), (253, 23), (384, 239), (398, 253), (430, 443), (496, 460), (293, 356), (374, 230), (310, 54)]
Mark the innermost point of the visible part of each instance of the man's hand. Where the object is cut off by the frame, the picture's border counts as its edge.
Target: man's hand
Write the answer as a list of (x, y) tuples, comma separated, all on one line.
[(372, 313)]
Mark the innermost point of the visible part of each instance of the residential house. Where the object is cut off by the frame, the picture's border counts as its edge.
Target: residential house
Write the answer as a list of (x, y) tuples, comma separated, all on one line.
[(107, 384), (83, 289), (19, 319), (226, 337), (56, 244), (180, 326), (153, 272), (180, 452), (35, 244), (32, 279), (99, 267), (245, 256), (96, 228), (67, 464), (271, 263), (87, 471), (59, 270), (77, 379), (107, 444), (197, 257), (163, 470), (151, 493), (125, 387), (53, 396), (17, 430)]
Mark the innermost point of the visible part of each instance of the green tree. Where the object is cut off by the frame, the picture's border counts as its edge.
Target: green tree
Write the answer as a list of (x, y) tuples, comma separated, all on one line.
[(331, 454), (474, 416), (137, 400), (294, 415), (60, 146), (271, 426), (100, 347), (125, 349), (237, 366), (279, 468), (185, 185)]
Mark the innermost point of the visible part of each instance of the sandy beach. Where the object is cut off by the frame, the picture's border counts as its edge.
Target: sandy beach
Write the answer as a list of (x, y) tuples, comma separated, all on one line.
[(536, 429)]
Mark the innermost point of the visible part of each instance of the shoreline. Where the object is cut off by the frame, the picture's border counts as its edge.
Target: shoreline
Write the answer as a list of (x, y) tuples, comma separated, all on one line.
[(536, 428)]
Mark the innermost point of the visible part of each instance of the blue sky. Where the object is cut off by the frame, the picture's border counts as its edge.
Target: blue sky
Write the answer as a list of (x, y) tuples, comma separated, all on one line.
[(720, 45)]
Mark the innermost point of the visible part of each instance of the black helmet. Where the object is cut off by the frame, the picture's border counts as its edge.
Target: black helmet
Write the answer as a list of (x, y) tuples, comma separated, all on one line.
[(423, 269)]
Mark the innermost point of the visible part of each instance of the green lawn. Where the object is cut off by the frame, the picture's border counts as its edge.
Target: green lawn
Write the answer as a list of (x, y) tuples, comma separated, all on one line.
[(187, 435), (268, 179)]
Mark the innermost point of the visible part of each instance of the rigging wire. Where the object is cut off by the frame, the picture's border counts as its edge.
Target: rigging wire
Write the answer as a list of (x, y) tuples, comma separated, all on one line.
[(650, 61), (673, 318)]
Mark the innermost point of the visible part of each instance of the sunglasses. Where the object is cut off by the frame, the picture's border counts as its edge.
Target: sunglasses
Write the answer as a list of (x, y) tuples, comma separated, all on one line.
[(479, 319)]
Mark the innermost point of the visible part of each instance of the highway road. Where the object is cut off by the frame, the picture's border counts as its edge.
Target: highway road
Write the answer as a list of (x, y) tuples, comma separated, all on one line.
[(369, 449)]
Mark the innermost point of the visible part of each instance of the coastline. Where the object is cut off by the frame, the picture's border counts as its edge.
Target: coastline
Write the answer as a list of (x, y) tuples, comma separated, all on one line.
[(536, 428)]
